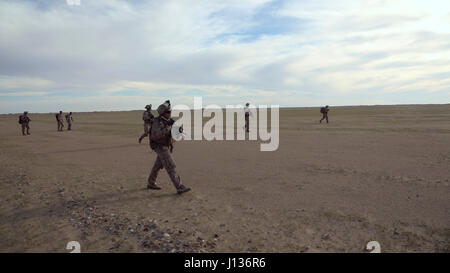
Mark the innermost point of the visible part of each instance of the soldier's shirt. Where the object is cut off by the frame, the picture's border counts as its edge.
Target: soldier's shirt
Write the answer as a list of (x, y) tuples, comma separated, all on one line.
[(160, 132), (247, 111), (24, 119), (147, 117)]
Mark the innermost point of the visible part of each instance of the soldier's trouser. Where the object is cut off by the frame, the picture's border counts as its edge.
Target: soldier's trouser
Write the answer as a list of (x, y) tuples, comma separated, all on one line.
[(25, 126), (60, 125), (324, 116), (69, 126), (164, 160), (247, 123), (146, 130)]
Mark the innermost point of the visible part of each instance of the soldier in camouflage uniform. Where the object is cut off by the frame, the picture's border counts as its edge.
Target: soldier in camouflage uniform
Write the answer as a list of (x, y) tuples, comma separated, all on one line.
[(59, 121), (24, 120), (147, 117), (247, 116), (324, 111), (161, 142), (69, 120)]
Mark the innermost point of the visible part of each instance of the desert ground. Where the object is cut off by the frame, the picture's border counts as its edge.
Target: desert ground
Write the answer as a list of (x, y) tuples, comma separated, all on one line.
[(374, 173)]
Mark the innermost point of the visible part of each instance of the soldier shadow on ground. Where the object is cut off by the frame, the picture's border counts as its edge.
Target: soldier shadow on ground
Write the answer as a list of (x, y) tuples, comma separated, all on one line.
[(62, 205)]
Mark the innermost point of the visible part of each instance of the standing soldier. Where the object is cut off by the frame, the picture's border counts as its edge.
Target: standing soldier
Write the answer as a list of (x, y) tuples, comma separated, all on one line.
[(148, 117), (24, 120), (69, 120), (247, 117), (324, 111), (59, 121), (161, 142)]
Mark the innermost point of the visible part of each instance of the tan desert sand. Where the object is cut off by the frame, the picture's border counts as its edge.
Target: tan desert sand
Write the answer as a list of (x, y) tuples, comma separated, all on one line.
[(374, 173)]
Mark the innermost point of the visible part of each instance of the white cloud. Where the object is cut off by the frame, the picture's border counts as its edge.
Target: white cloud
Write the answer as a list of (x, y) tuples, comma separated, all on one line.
[(351, 50)]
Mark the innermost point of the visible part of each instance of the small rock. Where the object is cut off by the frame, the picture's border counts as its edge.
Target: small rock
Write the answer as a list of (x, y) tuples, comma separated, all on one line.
[(166, 235), (306, 248)]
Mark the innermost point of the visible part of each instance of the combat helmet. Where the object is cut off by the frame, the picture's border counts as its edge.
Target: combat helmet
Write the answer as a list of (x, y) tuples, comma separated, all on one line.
[(164, 107), (148, 106)]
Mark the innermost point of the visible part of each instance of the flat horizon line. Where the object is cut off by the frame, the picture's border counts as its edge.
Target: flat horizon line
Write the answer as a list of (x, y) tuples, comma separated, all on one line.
[(281, 107)]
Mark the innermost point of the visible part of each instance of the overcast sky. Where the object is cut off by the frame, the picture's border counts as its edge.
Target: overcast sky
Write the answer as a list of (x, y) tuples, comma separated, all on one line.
[(122, 55)]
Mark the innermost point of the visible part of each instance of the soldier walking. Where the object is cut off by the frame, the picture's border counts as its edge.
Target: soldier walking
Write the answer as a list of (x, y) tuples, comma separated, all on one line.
[(247, 117), (24, 120), (324, 111), (161, 142), (147, 117), (59, 121), (69, 120)]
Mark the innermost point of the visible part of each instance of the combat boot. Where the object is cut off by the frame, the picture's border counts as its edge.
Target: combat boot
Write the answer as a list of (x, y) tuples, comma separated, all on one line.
[(182, 189), (153, 187)]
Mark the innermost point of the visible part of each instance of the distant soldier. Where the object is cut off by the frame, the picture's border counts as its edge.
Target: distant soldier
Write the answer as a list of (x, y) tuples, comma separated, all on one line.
[(59, 121), (24, 120), (247, 117), (69, 120), (324, 111), (147, 117), (161, 142)]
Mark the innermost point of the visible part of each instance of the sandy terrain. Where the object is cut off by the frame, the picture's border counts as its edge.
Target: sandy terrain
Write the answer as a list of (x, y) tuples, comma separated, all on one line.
[(374, 173)]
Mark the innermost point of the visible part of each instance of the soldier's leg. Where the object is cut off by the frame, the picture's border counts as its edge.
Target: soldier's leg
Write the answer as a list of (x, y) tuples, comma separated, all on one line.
[(28, 129), (247, 128), (23, 129), (326, 116), (154, 172), (146, 132), (169, 165)]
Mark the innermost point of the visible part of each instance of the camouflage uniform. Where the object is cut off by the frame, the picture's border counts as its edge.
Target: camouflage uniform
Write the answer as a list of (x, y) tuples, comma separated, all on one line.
[(147, 117), (161, 142), (247, 117), (69, 120), (24, 120), (325, 114), (59, 121)]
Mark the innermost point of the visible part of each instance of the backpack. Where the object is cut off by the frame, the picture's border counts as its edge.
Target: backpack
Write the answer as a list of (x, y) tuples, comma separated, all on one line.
[(322, 110), (57, 117), (20, 120)]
